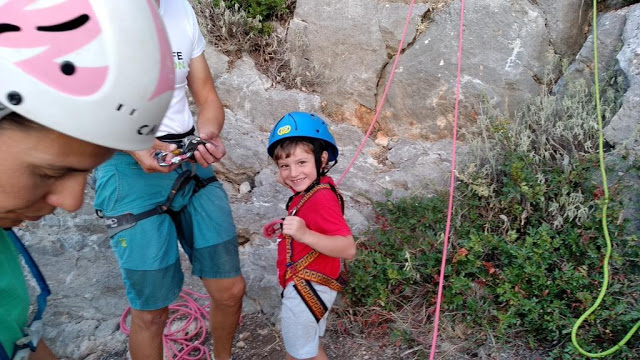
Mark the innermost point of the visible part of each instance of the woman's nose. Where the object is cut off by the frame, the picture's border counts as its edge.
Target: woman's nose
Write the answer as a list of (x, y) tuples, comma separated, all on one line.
[(68, 193)]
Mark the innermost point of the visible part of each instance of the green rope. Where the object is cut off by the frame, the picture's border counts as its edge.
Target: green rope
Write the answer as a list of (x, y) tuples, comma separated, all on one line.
[(605, 229)]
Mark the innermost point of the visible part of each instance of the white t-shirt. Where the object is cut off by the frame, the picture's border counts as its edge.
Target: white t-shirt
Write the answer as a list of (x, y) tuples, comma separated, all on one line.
[(187, 43)]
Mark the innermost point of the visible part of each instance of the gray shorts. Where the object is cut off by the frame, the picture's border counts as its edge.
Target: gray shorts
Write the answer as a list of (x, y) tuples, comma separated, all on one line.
[(300, 331)]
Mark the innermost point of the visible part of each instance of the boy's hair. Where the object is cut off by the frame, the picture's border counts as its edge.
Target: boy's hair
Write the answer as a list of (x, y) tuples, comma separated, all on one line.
[(288, 146)]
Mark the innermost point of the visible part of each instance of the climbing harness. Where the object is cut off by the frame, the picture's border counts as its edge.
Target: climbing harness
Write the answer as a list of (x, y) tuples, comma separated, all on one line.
[(302, 277), (116, 224), (186, 149), (605, 229), (33, 333)]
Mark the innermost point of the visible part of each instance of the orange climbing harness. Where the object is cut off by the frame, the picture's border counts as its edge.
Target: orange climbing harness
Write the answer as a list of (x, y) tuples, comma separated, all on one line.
[(302, 277)]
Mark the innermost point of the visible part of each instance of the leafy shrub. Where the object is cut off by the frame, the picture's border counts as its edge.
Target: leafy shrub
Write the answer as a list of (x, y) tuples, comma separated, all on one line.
[(234, 31), (527, 245), (264, 9)]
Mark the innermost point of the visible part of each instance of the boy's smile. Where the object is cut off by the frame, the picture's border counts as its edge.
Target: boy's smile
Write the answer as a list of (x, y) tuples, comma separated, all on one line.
[(298, 171)]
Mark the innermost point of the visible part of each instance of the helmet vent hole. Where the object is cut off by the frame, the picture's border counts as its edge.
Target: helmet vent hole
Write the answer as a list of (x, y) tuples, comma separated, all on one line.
[(68, 68), (14, 98), (119, 107), (132, 112)]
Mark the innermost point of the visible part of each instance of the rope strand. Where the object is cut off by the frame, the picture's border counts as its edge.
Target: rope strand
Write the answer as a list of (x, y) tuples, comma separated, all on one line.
[(605, 221), (452, 183)]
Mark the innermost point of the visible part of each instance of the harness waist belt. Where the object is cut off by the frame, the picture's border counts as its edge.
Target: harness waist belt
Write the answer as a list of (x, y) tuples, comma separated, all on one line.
[(116, 224)]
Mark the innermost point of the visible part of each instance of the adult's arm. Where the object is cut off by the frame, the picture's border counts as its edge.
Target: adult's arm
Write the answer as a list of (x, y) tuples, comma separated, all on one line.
[(210, 118)]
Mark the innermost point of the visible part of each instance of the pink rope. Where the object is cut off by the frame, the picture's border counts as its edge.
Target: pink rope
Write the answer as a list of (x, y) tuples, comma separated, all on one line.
[(384, 95), (186, 340), (445, 245)]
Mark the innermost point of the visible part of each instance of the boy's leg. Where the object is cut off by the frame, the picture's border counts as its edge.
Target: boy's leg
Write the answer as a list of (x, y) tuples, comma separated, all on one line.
[(321, 354), (300, 331), (226, 305)]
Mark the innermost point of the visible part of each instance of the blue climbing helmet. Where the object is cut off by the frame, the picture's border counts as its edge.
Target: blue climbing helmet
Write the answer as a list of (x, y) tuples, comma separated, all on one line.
[(307, 127)]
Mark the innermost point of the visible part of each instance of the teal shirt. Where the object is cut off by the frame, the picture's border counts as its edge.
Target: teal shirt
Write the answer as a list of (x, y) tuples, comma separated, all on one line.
[(14, 297)]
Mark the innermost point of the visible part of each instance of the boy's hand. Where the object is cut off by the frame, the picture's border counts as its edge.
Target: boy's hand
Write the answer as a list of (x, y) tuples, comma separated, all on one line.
[(272, 229), (296, 227)]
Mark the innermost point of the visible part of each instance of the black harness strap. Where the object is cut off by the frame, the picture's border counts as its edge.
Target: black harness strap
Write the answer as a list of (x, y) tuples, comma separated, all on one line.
[(116, 224)]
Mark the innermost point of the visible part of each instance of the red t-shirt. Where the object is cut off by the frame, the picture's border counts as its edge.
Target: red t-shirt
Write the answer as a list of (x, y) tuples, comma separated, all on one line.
[(321, 213)]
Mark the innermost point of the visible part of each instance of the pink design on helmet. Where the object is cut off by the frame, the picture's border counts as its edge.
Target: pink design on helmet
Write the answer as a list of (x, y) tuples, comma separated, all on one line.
[(59, 30)]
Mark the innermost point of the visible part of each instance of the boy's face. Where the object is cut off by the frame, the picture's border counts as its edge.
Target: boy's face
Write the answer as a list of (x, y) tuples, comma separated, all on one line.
[(43, 169), (298, 171)]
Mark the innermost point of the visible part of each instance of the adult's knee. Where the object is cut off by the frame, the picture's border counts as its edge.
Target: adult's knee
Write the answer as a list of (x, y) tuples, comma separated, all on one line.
[(150, 320), (229, 292)]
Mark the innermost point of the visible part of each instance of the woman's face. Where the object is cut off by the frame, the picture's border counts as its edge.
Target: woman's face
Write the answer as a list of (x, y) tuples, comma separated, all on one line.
[(41, 170)]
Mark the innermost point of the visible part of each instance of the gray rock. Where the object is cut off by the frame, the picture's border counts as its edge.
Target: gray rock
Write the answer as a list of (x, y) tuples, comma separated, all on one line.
[(624, 126), (218, 62), (251, 95), (392, 17), (245, 187), (566, 21), (351, 62), (246, 150), (506, 51), (610, 28)]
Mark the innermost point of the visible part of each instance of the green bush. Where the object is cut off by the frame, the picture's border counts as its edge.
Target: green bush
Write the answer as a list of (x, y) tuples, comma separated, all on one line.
[(526, 246), (264, 9)]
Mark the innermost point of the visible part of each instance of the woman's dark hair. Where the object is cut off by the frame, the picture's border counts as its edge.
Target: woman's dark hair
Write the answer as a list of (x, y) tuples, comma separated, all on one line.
[(16, 121)]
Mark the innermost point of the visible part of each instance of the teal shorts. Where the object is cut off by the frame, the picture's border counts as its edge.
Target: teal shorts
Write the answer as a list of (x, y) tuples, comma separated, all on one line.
[(148, 253)]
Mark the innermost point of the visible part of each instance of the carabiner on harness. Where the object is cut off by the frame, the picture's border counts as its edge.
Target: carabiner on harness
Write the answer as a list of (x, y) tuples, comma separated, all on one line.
[(33, 333), (186, 148)]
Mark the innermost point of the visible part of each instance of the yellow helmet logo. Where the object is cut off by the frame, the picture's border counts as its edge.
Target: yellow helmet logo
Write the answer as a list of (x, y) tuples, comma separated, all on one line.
[(284, 130)]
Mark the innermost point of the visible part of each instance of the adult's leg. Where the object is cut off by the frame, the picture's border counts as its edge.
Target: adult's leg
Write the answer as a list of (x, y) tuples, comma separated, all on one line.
[(145, 341), (208, 236), (147, 253), (226, 305)]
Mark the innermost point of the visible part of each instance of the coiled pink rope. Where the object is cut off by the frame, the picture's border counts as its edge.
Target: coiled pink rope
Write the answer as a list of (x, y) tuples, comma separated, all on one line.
[(186, 330)]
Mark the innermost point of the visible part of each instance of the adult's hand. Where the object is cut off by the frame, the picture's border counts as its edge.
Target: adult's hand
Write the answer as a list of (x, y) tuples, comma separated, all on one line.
[(147, 158), (211, 152)]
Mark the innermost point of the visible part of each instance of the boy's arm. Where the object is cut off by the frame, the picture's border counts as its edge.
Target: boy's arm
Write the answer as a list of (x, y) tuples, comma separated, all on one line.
[(335, 246)]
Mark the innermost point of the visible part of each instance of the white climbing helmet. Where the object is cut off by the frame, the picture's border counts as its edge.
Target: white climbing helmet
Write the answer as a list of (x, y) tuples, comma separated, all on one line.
[(97, 70)]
